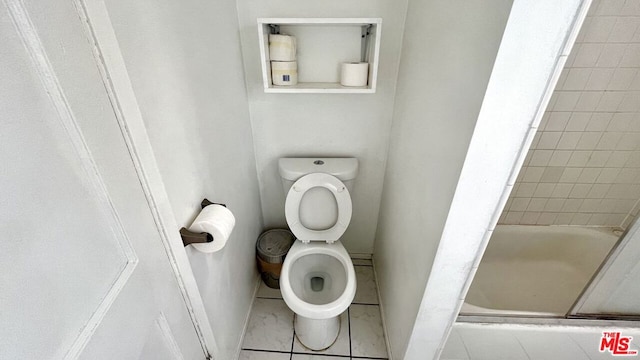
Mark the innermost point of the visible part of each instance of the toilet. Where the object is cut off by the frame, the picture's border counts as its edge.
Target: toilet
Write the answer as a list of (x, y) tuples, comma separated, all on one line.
[(318, 281)]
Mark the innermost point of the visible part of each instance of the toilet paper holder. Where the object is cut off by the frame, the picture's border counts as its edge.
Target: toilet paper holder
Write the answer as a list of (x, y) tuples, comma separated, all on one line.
[(190, 237)]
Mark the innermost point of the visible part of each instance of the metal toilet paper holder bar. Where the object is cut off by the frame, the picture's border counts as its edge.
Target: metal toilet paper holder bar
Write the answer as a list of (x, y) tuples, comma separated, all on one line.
[(190, 237)]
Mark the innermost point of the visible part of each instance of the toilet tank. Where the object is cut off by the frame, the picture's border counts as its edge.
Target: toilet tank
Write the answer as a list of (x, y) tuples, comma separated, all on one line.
[(292, 169)]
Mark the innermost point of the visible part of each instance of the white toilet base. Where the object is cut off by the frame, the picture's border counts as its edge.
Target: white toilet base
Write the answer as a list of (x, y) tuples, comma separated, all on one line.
[(317, 334)]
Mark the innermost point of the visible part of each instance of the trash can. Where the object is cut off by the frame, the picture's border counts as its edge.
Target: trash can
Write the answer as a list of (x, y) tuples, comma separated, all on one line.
[(271, 248)]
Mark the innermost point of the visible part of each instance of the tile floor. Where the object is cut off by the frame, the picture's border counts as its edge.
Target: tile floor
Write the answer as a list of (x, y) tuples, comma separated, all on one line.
[(470, 341), (270, 334)]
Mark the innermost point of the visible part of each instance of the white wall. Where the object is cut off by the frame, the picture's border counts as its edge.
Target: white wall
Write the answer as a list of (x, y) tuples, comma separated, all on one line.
[(324, 125), (190, 87), (447, 57)]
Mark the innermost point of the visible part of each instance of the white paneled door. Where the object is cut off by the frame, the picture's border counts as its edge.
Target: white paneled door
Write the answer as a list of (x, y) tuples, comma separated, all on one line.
[(84, 272)]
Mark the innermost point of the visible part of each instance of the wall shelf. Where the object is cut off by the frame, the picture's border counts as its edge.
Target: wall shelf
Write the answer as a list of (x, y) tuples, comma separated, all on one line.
[(323, 44)]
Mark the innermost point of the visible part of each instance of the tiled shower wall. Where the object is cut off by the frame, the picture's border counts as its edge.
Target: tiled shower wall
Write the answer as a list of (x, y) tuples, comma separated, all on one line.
[(583, 167)]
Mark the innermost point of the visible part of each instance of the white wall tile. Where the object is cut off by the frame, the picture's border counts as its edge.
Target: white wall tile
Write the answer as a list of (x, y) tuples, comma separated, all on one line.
[(622, 79), (519, 204), (536, 205), (567, 100), (589, 175), (630, 102), (570, 175), (562, 191), (557, 121), (526, 189), (554, 205), (540, 157), (529, 218), (552, 174), (610, 101), (610, 7), (569, 140), (608, 176), (611, 55), (599, 29), (588, 140), (579, 158), (544, 190), (580, 219), (572, 205), (599, 79), (577, 79), (631, 57), (584, 167), (580, 191), (624, 29), (547, 218), (549, 139), (587, 55), (588, 101), (599, 158), (560, 157), (578, 121), (609, 141), (629, 141), (599, 121)]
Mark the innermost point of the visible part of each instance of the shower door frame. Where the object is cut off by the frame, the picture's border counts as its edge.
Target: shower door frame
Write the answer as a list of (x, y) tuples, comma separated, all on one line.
[(610, 277)]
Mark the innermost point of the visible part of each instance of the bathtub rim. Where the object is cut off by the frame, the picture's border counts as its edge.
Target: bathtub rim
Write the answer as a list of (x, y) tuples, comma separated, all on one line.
[(615, 236)]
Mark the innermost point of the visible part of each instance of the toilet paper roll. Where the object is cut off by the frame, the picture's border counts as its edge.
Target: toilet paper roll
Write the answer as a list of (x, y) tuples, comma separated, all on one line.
[(284, 72), (216, 220), (354, 74), (282, 47)]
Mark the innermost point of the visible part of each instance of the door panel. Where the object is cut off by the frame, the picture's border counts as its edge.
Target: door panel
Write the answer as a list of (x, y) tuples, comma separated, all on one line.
[(84, 270)]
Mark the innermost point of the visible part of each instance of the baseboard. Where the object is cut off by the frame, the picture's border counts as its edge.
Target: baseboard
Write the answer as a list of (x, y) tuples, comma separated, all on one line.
[(360, 256), (384, 322), (246, 320)]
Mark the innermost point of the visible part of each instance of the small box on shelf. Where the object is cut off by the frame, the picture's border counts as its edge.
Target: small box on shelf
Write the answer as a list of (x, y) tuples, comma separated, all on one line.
[(323, 44)]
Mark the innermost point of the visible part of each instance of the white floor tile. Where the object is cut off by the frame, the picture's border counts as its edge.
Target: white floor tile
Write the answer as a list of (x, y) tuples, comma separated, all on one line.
[(260, 355), (340, 347), (544, 345), (491, 344), (270, 326), (454, 349), (266, 292), (366, 286), (367, 337), (317, 357)]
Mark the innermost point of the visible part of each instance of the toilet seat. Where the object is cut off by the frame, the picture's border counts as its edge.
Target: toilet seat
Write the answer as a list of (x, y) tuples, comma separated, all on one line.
[(297, 192)]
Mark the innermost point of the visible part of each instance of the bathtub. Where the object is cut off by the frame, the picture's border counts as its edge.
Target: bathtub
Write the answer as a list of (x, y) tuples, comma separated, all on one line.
[(536, 271)]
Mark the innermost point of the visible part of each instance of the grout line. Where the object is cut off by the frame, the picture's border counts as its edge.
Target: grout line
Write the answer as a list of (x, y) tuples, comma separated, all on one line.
[(355, 303), (268, 351), (267, 297), (522, 346), (293, 340), (362, 265), (313, 355), (349, 325)]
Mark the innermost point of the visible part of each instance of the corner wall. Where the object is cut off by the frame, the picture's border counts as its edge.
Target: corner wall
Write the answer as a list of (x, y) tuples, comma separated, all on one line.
[(447, 56), (189, 84)]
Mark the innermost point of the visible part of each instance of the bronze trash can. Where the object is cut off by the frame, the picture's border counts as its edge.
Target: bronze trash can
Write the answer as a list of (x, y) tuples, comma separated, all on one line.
[(271, 248)]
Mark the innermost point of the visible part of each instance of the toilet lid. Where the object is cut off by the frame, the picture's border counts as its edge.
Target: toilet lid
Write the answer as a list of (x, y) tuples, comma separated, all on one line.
[(295, 195)]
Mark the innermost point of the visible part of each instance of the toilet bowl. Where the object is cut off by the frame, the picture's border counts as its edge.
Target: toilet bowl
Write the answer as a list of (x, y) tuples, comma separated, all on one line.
[(317, 280), (318, 283)]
